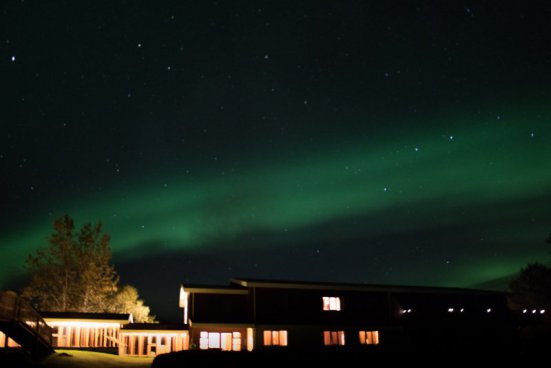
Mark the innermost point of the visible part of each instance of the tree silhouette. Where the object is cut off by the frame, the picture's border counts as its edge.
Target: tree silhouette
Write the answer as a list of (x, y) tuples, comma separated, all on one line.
[(74, 274)]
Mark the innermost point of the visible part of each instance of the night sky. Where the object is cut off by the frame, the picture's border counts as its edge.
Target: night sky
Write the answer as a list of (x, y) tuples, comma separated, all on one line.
[(403, 142)]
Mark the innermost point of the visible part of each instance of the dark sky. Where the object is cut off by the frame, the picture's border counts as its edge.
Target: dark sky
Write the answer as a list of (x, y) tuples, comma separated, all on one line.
[(401, 142)]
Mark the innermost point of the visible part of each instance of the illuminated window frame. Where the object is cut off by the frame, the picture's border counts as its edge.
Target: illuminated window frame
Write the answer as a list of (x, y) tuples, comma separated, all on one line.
[(369, 337), (331, 303), (275, 338), (334, 338)]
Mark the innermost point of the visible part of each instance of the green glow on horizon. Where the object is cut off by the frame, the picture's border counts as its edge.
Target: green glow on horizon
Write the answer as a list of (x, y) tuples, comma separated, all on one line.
[(445, 182)]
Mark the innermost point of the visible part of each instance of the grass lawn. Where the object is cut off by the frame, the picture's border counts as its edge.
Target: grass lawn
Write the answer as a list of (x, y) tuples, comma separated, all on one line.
[(91, 359)]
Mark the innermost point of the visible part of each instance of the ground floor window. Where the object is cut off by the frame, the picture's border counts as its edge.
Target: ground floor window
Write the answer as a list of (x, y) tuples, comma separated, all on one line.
[(369, 337), (226, 341), (275, 338), (333, 338)]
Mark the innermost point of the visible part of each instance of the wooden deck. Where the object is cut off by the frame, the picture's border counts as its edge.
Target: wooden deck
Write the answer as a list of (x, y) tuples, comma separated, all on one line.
[(24, 325)]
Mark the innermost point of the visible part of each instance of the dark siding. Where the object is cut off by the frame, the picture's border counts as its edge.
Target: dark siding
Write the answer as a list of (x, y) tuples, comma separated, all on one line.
[(220, 308), (291, 306)]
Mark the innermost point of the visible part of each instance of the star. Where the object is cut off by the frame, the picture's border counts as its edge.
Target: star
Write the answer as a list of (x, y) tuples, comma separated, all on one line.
[(416, 149), (385, 189), (13, 58), (451, 137)]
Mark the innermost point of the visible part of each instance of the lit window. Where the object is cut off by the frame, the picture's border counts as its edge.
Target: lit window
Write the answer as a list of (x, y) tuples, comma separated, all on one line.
[(204, 340), (369, 337), (209, 340), (333, 338), (275, 338), (236, 345), (331, 303), (214, 340)]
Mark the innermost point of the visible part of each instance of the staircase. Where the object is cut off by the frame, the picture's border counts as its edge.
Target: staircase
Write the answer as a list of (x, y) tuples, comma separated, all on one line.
[(23, 324)]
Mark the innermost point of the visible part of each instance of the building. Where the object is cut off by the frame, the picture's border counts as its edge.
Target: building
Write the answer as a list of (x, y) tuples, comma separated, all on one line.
[(111, 331), (249, 314), (86, 330), (151, 339)]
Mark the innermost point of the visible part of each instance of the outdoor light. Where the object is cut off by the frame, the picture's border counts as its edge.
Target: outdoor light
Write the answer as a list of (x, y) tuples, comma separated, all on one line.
[(450, 310), (462, 309), (524, 311), (542, 311), (534, 311), (489, 310)]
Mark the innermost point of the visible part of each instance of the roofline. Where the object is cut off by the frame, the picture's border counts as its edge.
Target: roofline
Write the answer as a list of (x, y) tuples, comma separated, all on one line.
[(209, 289), (141, 331), (309, 285), (223, 325), (61, 319)]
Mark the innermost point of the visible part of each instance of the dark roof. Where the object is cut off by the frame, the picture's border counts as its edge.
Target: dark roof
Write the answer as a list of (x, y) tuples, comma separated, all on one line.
[(92, 316), (292, 284), (215, 289)]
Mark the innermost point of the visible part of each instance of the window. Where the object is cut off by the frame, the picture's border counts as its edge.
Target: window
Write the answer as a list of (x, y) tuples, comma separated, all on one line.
[(216, 340), (331, 303), (369, 337), (333, 338), (275, 338), (236, 341)]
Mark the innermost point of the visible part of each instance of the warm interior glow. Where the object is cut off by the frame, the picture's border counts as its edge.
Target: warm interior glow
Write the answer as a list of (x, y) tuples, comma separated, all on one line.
[(275, 338), (369, 337), (331, 303), (226, 341), (184, 297), (84, 324), (7, 342), (84, 334), (333, 338), (250, 339), (152, 343)]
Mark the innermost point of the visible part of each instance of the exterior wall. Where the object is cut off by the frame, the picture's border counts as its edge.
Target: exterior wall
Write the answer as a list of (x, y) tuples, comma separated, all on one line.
[(304, 307), (220, 307), (74, 334), (152, 343), (397, 316)]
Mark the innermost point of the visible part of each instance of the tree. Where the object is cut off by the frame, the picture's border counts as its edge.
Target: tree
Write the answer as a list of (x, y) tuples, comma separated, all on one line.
[(74, 273), (126, 300), (532, 287)]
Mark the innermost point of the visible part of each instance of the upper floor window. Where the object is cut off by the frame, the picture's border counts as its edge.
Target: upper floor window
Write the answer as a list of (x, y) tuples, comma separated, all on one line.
[(331, 303)]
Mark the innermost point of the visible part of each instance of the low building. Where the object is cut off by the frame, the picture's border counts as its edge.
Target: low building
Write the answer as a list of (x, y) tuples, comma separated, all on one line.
[(86, 330), (115, 332), (151, 339), (267, 314)]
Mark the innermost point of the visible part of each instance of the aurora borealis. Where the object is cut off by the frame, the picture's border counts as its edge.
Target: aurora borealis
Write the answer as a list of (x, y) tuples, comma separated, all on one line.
[(361, 142)]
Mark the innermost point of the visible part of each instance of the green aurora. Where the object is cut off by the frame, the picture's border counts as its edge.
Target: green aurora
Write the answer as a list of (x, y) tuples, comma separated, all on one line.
[(491, 176)]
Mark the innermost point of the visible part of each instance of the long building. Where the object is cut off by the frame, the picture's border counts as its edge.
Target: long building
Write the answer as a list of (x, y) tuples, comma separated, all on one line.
[(252, 314)]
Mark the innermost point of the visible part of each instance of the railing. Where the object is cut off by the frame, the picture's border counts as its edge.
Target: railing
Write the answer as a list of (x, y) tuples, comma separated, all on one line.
[(17, 312)]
